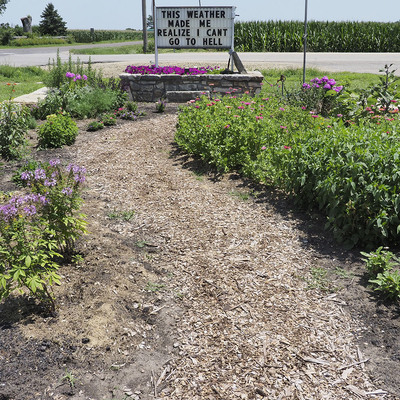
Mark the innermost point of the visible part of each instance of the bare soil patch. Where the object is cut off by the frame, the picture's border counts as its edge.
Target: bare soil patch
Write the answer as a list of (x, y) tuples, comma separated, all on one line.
[(209, 290)]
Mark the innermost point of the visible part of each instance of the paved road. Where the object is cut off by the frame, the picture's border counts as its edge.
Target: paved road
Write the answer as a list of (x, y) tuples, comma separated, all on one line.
[(333, 62)]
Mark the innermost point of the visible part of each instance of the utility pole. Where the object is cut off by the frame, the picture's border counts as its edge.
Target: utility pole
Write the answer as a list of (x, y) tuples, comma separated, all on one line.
[(144, 22), (305, 43)]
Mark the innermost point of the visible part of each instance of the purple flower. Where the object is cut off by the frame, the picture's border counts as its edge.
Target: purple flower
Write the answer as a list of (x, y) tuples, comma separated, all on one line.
[(30, 210), (50, 183), (79, 178), (70, 75), (332, 82), (26, 175), (40, 173), (338, 89), (315, 85), (54, 162), (306, 86), (84, 77), (8, 212), (327, 86), (67, 191)]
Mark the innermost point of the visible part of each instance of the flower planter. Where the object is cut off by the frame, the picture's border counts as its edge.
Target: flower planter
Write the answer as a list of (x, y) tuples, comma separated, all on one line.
[(181, 88)]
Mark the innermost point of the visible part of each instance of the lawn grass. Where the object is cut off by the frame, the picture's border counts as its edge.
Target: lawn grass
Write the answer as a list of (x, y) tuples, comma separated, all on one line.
[(294, 78), (27, 79), (129, 49)]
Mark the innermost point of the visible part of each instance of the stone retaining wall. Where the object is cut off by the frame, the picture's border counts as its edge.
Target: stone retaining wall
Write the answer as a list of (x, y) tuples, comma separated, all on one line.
[(151, 88)]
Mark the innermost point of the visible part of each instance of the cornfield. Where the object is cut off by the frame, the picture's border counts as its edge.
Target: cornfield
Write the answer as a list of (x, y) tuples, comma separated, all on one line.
[(287, 36)]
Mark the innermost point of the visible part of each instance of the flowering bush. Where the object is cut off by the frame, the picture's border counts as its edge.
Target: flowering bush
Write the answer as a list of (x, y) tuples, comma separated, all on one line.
[(95, 126), (153, 70), (40, 227), (108, 119), (27, 249), (319, 95), (74, 81), (349, 171)]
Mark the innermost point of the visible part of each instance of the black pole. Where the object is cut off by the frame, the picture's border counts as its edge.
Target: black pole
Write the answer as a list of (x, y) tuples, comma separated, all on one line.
[(305, 43)]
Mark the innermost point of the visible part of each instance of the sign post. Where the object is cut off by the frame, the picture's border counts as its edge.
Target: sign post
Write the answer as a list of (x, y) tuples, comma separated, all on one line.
[(305, 43), (193, 28)]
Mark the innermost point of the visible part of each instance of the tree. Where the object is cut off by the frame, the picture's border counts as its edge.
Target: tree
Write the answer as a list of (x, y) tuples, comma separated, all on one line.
[(52, 24), (3, 5), (149, 23)]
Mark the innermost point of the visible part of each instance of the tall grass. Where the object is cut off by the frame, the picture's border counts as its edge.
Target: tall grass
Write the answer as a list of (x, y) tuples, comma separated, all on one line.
[(287, 36)]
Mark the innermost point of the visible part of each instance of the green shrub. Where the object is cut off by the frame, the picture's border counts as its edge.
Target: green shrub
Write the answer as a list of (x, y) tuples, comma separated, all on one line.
[(13, 128), (57, 131), (379, 261), (95, 126), (51, 104), (131, 106), (36, 41), (350, 172), (108, 119), (388, 283), (89, 102)]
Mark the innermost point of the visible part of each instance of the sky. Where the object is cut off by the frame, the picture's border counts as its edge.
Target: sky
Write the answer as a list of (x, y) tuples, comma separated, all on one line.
[(123, 14)]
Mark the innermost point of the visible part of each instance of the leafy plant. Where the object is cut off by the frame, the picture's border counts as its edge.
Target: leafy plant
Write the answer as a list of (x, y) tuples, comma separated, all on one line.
[(318, 95), (124, 215), (13, 128), (29, 165), (319, 280), (89, 101), (160, 106), (57, 131), (350, 172), (95, 126), (27, 249), (154, 287), (108, 119), (388, 282), (379, 261), (131, 106)]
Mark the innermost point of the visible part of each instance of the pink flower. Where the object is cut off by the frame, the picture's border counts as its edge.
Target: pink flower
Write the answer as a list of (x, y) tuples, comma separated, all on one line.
[(227, 126), (263, 148), (287, 147), (259, 117), (314, 116), (283, 127), (281, 109)]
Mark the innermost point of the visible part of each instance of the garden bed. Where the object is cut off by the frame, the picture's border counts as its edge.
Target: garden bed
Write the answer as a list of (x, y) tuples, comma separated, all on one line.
[(181, 88), (190, 287)]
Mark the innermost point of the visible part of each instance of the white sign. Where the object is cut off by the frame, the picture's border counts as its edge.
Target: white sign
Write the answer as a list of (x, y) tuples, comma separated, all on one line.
[(194, 27)]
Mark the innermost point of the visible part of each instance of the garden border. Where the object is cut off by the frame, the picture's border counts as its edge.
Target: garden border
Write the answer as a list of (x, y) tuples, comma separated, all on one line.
[(150, 88)]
